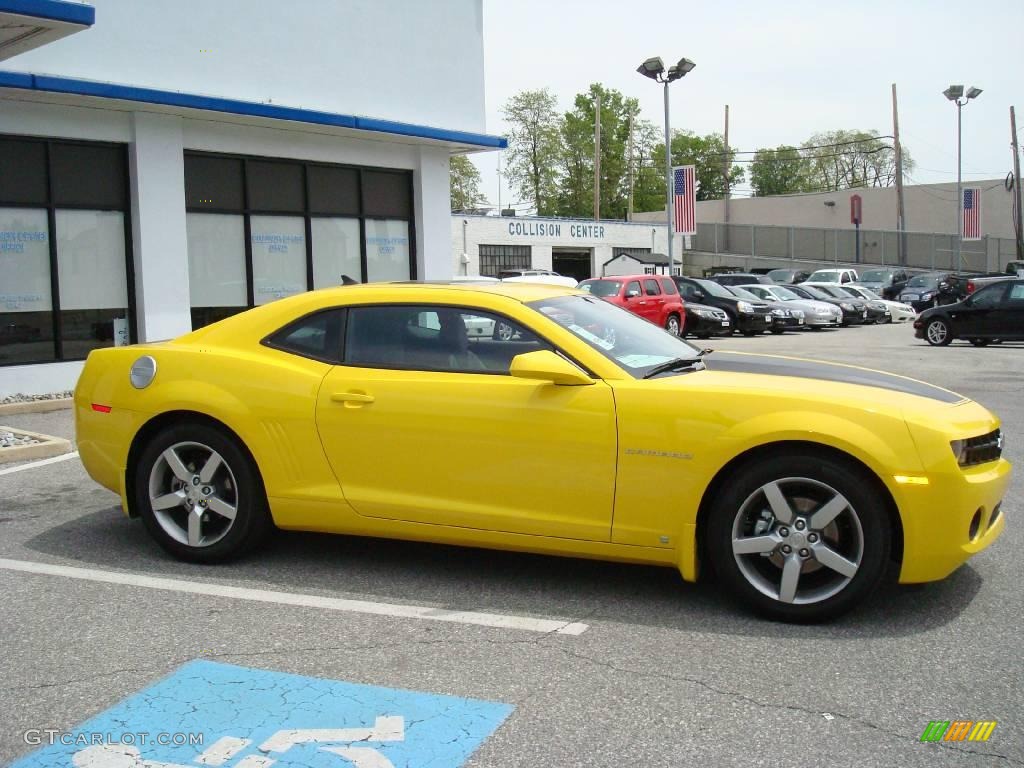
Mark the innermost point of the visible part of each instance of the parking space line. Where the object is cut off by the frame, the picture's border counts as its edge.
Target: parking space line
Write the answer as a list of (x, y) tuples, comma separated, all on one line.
[(40, 463), (499, 621)]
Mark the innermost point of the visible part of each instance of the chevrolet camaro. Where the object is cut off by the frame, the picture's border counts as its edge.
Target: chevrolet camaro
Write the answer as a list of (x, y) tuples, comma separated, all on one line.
[(371, 410)]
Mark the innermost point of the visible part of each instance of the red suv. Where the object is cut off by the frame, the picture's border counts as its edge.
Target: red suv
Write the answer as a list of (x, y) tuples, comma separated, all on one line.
[(653, 297)]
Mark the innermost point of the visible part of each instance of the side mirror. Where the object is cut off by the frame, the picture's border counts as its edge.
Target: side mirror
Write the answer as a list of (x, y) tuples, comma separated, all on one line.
[(545, 365)]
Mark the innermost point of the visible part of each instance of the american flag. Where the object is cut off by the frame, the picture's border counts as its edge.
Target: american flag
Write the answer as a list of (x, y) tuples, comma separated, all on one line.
[(972, 213), (684, 194)]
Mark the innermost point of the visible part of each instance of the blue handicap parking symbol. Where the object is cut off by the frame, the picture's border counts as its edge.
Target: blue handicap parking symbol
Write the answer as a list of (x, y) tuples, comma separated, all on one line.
[(210, 714)]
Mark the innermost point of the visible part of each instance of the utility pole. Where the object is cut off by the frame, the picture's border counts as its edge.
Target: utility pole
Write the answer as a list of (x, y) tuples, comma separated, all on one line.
[(629, 168), (597, 156), (499, 183), (901, 235), (1018, 221), (959, 186), (726, 161), (668, 186)]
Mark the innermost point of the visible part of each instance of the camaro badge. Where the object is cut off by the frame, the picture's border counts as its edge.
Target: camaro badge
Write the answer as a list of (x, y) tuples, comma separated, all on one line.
[(660, 454)]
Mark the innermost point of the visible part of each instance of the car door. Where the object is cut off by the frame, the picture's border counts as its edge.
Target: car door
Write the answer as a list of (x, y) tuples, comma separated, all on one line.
[(633, 298), (654, 301), (1008, 317), (423, 425), (979, 315)]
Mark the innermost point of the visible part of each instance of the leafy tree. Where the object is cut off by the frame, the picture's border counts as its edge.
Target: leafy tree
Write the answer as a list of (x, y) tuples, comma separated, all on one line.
[(465, 184), (851, 158), (648, 172), (533, 147), (778, 171), (708, 154)]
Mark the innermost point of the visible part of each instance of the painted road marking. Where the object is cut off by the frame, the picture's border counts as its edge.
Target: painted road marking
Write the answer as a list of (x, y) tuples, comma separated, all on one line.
[(40, 463), (395, 610), (207, 713)]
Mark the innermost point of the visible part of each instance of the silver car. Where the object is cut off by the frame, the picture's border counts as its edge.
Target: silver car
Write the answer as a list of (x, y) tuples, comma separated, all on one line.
[(817, 314)]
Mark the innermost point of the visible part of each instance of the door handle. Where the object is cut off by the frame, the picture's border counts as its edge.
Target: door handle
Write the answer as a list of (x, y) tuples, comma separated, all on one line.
[(351, 397)]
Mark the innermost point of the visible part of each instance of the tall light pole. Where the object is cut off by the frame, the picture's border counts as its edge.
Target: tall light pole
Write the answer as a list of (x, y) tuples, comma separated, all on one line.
[(654, 68), (955, 93)]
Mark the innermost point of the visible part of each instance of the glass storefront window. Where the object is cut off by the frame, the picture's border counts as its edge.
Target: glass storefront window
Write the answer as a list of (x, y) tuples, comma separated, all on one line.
[(278, 257), (387, 250), (93, 281), (216, 266), (26, 318), (336, 251)]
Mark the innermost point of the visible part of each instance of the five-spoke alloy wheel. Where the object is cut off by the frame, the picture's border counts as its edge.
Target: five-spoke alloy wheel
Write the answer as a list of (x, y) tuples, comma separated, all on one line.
[(799, 538), (199, 494)]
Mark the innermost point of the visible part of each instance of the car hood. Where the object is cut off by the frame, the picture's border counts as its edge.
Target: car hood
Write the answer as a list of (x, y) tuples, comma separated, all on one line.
[(792, 367), (694, 305)]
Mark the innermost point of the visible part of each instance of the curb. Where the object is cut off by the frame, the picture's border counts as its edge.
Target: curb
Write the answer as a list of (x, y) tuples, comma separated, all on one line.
[(38, 406), (51, 446)]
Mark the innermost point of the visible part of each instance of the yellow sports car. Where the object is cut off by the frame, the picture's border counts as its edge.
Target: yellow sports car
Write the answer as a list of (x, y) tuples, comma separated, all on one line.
[(585, 431)]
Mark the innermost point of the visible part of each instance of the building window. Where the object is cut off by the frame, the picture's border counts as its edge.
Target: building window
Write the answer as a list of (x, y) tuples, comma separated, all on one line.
[(649, 270), (494, 259), (261, 229), (632, 251), (66, 279)]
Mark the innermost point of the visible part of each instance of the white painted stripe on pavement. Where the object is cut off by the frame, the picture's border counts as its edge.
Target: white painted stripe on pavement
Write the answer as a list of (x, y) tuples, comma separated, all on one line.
[(40, 463), (500, 621)]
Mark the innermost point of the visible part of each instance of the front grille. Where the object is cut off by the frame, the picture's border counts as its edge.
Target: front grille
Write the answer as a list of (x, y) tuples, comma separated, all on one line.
[(983, 448)]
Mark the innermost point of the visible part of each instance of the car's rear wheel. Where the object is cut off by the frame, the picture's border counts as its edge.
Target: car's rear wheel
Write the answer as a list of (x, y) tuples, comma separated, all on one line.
[(938, 333), (672, 324), (199, 494), (799, 538)]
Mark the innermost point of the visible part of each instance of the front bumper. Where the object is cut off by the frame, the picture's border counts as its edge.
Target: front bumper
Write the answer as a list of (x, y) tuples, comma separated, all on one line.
[(707, 326), (823, 321), (938, 519), (855, 317), (753, 322)]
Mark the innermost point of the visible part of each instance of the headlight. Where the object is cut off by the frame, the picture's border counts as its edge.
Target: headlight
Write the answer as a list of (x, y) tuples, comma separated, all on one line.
[(797, 313), (780, 313), (704, 313), (926, 296), (745, 307), (847, 307)]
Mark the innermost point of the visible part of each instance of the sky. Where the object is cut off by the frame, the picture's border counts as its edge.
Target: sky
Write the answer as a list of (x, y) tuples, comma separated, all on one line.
[(786, 69)]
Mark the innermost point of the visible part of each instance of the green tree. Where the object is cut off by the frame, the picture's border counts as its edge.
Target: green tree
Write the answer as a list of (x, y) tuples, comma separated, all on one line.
[(778, 171), (648, 172), (533, 148), (464, 184), (707, 154), (851, 158), (576, 184)]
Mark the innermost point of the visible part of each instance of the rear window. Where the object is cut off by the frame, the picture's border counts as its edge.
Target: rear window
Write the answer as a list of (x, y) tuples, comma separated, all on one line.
[(317, 336), (602, 287)]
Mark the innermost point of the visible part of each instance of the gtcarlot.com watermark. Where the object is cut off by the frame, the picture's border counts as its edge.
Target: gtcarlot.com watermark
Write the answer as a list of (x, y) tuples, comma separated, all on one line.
[(48, 736)]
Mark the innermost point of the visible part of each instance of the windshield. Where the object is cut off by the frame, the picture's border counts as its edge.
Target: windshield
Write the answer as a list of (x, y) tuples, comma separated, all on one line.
[(814, 293), (627, 339), (826, 276), (602, 287), (781, 274), (923, 281), (743, 293), (710, 286), (833, 290), (784, 293), (875, 276)]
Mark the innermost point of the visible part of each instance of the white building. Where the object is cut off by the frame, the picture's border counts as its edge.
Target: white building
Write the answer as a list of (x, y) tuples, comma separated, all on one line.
[(163, 165), (485, 245)]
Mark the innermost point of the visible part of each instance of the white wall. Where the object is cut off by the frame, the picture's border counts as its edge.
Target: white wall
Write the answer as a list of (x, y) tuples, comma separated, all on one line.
[(603, 237), (402, 60)]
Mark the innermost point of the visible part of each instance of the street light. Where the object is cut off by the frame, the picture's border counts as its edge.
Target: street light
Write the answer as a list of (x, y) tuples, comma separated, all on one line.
[(955, 94), (654, 68)]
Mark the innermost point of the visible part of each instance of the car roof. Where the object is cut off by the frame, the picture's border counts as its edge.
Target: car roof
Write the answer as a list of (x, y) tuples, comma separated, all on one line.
[(520, 291), (623, 277)]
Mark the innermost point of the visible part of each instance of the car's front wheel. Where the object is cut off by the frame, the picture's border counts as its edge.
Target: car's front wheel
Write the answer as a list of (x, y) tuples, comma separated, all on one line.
[(799, 538), (938, 333), (199, 494)]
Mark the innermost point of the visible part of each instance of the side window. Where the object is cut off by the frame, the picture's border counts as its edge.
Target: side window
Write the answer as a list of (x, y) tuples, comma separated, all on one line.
[(435, 338), (1017, 293), (633, 288), (651, 288), (668, 286), (317, 336), (989, 297)]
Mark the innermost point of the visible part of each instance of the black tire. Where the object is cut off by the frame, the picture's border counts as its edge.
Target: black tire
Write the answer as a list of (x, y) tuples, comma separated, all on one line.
[(777, 331), (673, 319), (807, 483), (980, 342), (236, 483), (938, 333)]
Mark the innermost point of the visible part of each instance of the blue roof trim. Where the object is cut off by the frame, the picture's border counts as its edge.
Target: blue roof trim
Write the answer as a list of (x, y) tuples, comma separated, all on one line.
[(52, 84), (54, 10)]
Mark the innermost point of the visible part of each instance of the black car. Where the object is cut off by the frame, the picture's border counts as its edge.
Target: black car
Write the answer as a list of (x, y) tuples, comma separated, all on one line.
[(783, 318), (932, 289), (876, 311), (995, 313), (740, 278), (704, 321), (886, 282), (788, 276), (854, 313), (747, 317)]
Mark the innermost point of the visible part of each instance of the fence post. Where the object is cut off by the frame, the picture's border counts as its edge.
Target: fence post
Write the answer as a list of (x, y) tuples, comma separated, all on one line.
[(933, 251), (883, 247), (791, 246), (716, 237), (835, 246), (753, 240)]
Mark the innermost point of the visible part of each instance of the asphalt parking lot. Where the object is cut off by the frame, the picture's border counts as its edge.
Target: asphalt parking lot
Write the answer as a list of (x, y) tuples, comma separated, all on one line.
[(664, 673)]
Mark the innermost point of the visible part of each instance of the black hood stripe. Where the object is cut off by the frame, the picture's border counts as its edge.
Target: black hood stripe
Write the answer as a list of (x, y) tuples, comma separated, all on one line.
[(767, 365)]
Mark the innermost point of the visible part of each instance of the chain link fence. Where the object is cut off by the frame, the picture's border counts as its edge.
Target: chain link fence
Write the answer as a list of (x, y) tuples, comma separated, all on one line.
[(754, 245)]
